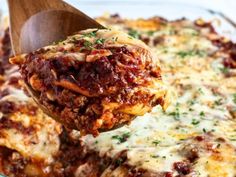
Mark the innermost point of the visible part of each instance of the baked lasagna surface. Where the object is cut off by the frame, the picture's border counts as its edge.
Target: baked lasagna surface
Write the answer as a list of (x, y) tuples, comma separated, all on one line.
[(196, 136)]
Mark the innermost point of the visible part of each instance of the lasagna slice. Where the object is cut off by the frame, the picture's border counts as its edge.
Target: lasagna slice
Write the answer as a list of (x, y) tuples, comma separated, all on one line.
[(95, 80)]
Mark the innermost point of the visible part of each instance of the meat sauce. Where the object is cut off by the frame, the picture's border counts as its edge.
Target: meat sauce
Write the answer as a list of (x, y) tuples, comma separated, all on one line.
[(77, 91)]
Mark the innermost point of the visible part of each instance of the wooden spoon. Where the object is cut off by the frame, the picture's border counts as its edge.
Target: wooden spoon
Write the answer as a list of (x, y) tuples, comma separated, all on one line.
[(35, 24)]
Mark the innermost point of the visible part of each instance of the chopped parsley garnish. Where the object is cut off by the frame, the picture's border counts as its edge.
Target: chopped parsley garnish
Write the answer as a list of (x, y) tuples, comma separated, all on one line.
[(202, 114), (182, 54), (134, 33), (224, 70), (156, 142), (100, 41), (195, 122), (234, 98), (73, 40), (175, 114), (195, 33), (56, 43), (121, 138), (191, 109), (177, 104), (191, 53), (204, 130), (200, 91), (218, 102), (150, 33), (154, 156), (191, 102), (115, 38), (91, 34), (87, 44)]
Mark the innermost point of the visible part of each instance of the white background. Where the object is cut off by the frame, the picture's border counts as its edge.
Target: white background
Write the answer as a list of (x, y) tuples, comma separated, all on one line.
[(228, 7)]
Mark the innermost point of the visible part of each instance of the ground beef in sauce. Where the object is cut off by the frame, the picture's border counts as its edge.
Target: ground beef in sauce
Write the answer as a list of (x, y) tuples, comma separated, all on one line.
[(110, 86)]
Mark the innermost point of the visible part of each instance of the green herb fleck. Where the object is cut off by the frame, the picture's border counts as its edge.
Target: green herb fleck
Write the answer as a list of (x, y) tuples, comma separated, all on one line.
[(234, 98), (195, 122), (88, 44), (204, 130), (224, 70), (191, 109), (115, 38), (191, 102), (121, 138), (195, 33), (91, 34), (200, 91), (191, 53), (175, 114), (73, 40), (202, 114), (134, 33), (182, 54), (56, 43), (156, 142), (154, 156), (150, 33), (100, 41), (218, 102)]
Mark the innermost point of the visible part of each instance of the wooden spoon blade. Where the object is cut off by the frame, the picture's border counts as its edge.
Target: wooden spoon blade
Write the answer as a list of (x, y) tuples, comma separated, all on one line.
[(46, 25)]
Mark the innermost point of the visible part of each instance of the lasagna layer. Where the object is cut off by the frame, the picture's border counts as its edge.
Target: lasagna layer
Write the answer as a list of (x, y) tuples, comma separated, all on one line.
[(95, 80)]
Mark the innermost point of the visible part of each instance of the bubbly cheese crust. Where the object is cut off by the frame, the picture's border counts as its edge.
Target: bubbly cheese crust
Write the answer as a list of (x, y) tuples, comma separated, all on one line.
[(196, 134)]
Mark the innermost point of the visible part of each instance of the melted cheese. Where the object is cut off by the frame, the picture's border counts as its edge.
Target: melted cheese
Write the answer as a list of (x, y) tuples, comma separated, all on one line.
[(202, 97), (40, 144)]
